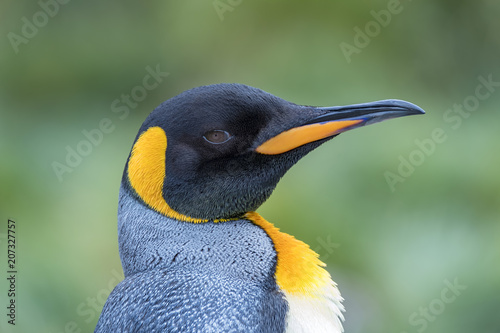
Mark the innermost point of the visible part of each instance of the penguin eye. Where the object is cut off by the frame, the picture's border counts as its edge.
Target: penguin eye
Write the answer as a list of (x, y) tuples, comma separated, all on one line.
[(217, 136)]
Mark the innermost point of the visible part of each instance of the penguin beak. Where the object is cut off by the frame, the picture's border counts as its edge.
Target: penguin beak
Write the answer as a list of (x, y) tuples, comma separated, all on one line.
[(335, 120)]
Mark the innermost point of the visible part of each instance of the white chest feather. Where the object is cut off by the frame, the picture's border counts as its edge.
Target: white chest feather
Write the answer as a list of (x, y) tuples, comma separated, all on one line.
[(321, 314)]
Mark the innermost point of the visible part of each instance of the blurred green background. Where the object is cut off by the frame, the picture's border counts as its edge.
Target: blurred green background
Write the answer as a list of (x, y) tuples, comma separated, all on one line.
[(393, 249)]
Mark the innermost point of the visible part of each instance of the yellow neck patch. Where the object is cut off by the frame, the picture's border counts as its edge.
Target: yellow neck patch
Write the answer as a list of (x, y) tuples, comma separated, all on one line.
[(146, 172), (299, 270)]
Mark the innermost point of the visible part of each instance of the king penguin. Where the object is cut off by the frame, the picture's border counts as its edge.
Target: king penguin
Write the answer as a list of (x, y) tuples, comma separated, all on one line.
[(195, 254)]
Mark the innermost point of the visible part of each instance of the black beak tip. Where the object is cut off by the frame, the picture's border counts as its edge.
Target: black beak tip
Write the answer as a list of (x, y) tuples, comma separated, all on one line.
[(407, 107), (368, 113)]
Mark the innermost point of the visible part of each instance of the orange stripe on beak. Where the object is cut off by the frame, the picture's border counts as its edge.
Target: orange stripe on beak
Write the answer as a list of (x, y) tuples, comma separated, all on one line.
[(302, 135)]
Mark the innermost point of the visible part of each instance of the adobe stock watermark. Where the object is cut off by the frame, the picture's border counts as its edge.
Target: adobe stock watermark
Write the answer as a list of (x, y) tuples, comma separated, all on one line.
[(91, 307), (425, 315), (325, 245), (372, 29), (453, 119), (121, 107), (30, 27), (223, 6)]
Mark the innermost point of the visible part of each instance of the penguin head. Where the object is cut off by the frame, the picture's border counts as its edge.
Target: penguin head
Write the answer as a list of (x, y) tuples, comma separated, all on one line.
[(217, 152)]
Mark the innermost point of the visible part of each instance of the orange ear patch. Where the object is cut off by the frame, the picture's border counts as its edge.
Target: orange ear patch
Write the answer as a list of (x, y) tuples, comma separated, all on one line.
[(146, 172)]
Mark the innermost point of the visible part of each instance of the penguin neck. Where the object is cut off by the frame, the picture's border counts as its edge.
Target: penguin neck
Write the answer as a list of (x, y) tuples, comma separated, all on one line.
[(251, 249), (149, 240)]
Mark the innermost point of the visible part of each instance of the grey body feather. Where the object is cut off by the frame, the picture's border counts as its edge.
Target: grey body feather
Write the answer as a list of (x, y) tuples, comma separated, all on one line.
[(187, 277)]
